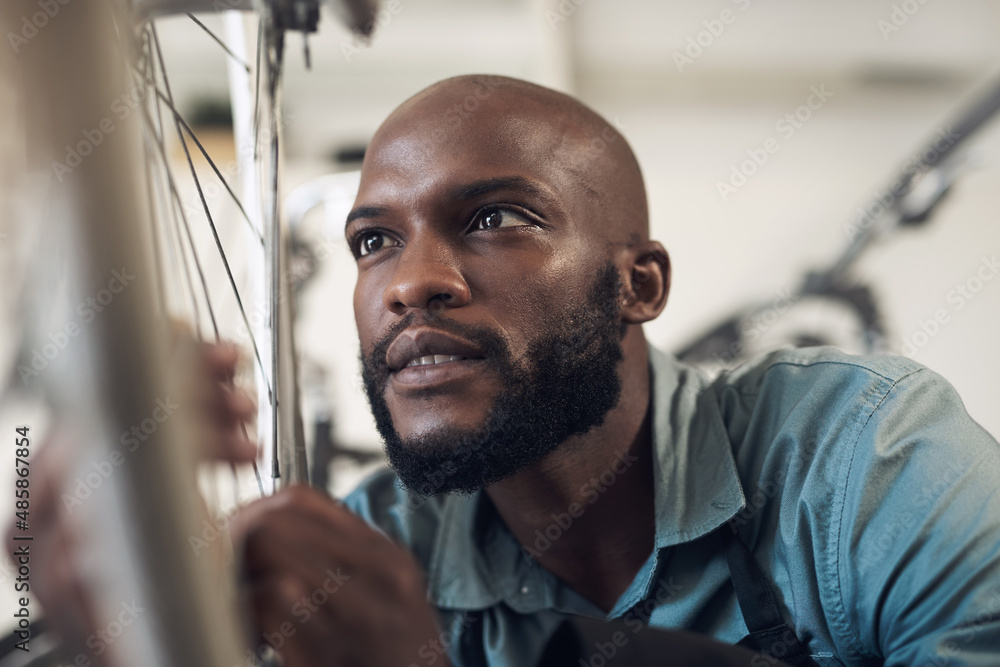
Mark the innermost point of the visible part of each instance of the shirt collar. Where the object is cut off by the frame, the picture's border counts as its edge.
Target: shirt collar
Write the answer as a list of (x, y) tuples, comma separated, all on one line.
[(697, 487), (475, 562)]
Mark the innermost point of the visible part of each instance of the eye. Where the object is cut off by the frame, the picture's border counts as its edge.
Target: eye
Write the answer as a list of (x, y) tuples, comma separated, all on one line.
[(497, 218), (369, 242)]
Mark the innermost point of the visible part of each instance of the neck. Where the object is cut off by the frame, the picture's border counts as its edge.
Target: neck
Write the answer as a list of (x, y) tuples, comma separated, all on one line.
[(585, 512)]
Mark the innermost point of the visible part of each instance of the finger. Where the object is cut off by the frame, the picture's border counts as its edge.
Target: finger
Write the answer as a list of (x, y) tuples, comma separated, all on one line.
[(236, 406), (290, 539), (231, 445), (295, 544), (344, 627), (226, 405), (225, 434), (312, 607), (220, 359), (297, 633), (348, 535), (326, 509)]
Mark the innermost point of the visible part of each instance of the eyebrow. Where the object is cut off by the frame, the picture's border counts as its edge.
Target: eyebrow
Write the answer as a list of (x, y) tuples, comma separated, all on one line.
[(466, 192), (484, 187), (366, 212)]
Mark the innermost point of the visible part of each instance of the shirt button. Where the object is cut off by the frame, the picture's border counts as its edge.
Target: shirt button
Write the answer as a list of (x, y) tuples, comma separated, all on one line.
[(524, 590)]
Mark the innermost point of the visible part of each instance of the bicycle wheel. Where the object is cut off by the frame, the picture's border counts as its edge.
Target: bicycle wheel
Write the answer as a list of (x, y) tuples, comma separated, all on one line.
[(123, 223)]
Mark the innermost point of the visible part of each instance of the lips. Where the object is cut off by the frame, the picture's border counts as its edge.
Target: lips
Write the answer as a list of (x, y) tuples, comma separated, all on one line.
[(428, 347)]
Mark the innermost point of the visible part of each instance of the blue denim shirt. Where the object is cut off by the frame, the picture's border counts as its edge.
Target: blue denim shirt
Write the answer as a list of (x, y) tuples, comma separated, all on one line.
[(869, 497)]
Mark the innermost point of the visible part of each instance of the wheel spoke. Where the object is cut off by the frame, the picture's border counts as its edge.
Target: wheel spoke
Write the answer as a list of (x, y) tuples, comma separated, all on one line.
[(190, 132), (225, 48), (211, 222)]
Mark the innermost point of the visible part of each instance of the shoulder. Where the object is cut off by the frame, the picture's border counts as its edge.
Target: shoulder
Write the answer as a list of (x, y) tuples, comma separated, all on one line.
[(861, 415), (857, 415), (874, 462), (819, 366), (886, 396), (822, 390)]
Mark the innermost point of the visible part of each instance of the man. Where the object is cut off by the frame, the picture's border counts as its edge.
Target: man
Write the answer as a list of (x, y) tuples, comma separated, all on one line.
[(822, 508), (547, 461)]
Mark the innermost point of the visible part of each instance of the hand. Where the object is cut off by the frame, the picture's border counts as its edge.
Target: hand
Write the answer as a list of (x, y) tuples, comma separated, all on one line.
[(324, 588), (225, 409)]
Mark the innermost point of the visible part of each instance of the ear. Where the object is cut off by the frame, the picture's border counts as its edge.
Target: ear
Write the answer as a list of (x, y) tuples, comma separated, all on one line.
[(645, 292)]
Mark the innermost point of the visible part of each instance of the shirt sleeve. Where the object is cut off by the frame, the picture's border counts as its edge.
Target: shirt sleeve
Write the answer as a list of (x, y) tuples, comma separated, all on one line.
[(919, 538)]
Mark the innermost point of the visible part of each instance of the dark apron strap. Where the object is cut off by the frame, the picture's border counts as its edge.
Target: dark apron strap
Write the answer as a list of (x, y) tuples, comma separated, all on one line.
[(590, 642), (769, 633)]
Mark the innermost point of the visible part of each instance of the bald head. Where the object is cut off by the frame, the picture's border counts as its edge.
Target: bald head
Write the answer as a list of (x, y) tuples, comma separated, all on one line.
[(516, 120)]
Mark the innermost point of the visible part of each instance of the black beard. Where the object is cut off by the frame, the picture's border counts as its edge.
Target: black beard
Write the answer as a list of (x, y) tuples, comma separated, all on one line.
[(569, 385)]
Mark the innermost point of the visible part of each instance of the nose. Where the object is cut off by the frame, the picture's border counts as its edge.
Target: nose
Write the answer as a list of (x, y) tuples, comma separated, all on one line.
[(427, 276)]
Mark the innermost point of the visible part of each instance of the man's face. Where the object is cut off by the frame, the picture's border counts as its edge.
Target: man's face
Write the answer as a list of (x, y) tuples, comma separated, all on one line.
[(484, 297)]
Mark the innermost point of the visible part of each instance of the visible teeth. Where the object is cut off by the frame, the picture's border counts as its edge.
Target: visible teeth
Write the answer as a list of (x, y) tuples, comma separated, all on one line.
[(430, 359)]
